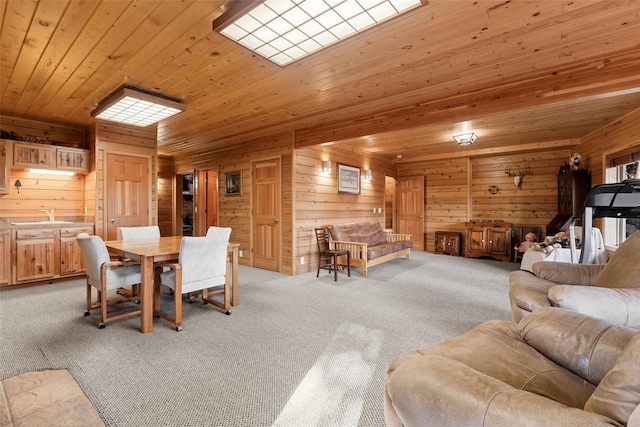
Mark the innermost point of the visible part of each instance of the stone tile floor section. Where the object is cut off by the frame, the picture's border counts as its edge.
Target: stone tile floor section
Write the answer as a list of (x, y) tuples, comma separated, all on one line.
[(45, 398)]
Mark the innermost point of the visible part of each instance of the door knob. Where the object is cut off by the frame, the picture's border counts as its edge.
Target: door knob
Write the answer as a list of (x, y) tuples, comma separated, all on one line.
[(113, 220), (276, 221)]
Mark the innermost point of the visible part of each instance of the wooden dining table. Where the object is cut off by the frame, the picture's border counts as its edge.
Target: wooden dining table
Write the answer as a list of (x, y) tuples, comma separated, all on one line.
[(150, 251)]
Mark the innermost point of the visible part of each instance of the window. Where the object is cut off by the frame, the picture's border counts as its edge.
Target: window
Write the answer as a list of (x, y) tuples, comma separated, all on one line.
[(623, 166)]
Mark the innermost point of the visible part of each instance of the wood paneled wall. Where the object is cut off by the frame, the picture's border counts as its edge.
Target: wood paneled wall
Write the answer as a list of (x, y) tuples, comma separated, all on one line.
[(598, 147), (126, 140), (457, 190), (47, 132), (534, 203), (65, 194), (234, 211), (446, 195), (166, 196), (318, 203), (62, 193)]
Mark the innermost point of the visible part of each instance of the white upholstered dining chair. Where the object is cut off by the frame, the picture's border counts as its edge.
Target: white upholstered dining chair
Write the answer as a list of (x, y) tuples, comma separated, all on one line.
[(136, 233), (105, 275), (214, 231), (139, 232), (202, 265)]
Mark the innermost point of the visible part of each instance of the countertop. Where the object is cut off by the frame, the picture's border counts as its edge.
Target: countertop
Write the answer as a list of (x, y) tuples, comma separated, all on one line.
[(21, 225)]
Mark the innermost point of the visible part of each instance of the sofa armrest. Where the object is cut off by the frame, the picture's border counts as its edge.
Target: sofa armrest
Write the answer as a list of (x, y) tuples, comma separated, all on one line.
[(435, 390), (357, 250), (568, 273), (619, 306), (587, 346), (395, 237)]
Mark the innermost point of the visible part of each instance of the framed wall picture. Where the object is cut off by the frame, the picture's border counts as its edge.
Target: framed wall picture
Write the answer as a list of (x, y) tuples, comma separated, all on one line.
[(348, 179), (233, 184)]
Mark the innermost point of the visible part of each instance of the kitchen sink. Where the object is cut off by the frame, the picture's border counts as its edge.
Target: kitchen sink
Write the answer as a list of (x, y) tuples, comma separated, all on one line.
[(41, 222)]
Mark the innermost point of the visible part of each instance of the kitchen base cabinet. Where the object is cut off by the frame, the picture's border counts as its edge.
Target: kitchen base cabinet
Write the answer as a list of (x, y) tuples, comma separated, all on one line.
[(5, 257), (46, 253), (34, 256), (71, 259), (489, 239)]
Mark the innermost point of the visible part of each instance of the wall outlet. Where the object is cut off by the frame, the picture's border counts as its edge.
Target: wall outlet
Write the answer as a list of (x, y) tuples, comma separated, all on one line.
[(301, 260), (374, 210), (240, 253), (379, 210), (86, 210)]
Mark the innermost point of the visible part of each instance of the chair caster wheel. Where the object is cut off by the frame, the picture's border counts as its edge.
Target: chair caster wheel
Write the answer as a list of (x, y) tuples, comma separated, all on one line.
[(101, 325), (137, 301), (178, 328), (87, 313), (228, 313), (204, 302)]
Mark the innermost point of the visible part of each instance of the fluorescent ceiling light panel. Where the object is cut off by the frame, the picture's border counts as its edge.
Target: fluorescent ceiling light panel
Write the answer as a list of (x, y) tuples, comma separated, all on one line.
[(136, 107), (286, 30)]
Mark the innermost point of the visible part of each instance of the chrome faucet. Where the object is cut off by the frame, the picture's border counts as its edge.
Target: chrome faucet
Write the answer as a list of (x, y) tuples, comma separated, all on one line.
[(52, 214)]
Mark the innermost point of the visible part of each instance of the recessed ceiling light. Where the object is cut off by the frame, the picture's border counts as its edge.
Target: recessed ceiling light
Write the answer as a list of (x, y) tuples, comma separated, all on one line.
[(466, 139)]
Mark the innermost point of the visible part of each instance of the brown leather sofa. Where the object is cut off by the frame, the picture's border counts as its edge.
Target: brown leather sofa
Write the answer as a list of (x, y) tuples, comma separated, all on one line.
[(608, 291), (555, 368), (368, 244)]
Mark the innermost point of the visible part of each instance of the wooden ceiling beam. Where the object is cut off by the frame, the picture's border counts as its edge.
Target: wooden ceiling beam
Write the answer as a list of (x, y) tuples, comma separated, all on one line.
[(537, 146), (584, 79)]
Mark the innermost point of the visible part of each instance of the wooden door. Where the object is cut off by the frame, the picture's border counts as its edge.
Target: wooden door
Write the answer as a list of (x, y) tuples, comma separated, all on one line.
[(266, 214), (212, 198), (206, 214), (128, 194), (410, 203)]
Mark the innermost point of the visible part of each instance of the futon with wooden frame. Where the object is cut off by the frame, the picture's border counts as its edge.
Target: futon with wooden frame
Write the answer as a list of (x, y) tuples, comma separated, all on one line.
[(369, 244)]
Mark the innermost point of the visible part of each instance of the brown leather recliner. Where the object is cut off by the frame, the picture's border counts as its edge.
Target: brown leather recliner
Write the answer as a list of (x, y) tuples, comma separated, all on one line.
[(556, 367), (610, 291)]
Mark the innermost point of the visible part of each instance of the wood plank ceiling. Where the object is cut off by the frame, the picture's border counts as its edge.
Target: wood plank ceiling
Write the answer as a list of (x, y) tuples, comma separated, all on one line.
[(518, 73)]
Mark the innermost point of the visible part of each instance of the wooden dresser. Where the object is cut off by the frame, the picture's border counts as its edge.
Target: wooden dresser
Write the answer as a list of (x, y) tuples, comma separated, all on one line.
[(448, 242), (489, 239)]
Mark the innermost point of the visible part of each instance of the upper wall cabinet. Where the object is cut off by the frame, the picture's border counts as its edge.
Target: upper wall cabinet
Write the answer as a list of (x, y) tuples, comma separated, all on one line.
[(72, 159), (26, 155), (32, 155)]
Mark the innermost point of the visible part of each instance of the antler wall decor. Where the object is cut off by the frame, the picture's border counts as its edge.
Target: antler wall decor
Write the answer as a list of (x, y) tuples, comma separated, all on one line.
[(519, 175)]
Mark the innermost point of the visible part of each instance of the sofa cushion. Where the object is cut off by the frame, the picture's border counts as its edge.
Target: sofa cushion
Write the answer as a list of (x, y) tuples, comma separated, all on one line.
[(585, 345), (618, 394), (623, 269), (619, 306), (496, 349), (376, 251), (567, 273), (528, 291), (370, 233)]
